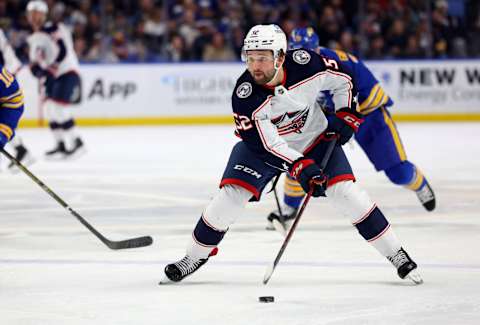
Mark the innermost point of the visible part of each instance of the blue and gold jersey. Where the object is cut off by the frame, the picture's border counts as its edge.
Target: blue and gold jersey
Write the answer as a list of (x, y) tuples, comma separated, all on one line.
[(370, 94), (11, 103)]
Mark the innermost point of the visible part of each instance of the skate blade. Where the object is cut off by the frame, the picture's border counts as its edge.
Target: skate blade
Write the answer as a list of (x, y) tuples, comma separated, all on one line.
[(77, 154), (26, 162), (269, 226), (56, 157), (415, 277), (277, 225), (165, 281)]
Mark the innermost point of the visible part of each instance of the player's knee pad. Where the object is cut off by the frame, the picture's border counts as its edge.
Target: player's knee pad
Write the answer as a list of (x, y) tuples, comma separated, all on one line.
[(57, 112), (226, 206), (402, 173), (352, 201)]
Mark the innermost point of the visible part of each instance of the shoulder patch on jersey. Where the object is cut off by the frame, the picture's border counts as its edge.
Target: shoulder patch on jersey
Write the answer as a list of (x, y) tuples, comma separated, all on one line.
[(244, 90), (49, 27), (301, 57)]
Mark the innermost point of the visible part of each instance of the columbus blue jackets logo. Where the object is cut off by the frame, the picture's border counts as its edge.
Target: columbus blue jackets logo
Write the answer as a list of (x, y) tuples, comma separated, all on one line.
[(291, 122), (244, 90), (301, 57)]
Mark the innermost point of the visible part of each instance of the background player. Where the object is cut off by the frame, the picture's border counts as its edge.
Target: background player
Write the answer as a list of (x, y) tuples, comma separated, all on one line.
[(11, 105), (377, 136), (9, 60), (54, 62), (283, 128)]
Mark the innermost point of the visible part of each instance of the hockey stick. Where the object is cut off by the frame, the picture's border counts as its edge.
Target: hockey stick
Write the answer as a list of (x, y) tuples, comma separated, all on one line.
[(122, 244), (272, 266), (275, 193)]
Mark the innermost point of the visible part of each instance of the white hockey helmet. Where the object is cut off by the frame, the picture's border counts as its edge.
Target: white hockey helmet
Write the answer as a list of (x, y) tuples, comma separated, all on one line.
[(265, 37), (37, 5)]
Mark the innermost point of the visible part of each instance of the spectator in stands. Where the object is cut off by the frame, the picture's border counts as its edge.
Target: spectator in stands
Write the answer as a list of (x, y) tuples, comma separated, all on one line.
[(156, 30), (176, 50), (218, 50)]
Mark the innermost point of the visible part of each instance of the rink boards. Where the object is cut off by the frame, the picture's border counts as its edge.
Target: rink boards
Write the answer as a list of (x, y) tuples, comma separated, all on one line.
[(199, 93)]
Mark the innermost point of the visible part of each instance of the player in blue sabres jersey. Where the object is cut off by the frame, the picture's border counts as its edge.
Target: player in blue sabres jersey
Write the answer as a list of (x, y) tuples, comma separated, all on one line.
[(11, 105), (282, 128), (377, 136)]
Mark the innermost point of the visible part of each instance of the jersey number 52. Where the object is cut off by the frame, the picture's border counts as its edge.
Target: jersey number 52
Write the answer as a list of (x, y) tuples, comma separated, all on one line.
[(242, 122)]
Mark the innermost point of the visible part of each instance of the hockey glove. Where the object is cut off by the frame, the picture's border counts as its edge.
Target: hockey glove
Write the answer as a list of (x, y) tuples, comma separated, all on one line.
[(310, 176), (38, 71), (345, 122)]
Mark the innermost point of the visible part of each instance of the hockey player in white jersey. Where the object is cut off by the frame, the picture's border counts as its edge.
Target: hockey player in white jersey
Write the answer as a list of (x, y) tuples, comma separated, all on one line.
[(283, 129), (9, 60), (54, 62)]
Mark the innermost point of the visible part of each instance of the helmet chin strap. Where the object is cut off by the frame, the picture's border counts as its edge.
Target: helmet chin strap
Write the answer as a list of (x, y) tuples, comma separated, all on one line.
[(277, 69)]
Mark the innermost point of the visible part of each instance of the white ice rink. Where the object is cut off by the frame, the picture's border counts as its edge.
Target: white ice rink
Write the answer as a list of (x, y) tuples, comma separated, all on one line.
[(156, 180)]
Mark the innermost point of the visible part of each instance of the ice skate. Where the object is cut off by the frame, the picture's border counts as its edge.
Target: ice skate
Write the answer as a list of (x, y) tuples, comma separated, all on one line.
[(177, 271), (281, 223), (77, 151), (57, 153), (23, 156), (426, 196), (406, 267)]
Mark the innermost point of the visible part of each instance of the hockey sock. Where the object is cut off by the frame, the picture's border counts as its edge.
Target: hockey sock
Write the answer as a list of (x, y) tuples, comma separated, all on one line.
[(406, 174), (220, 213), (418, 181), (204, 239), (56, 130), (370, 222), (69, 133), (376, 230), (293, 194), (61, 123)]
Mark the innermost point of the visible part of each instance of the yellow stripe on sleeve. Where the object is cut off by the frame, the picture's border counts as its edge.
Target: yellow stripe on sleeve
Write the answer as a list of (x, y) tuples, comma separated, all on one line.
[(8, 105), (378, 98), (5, 129), (13, 102), (366, 102), (9, 97)]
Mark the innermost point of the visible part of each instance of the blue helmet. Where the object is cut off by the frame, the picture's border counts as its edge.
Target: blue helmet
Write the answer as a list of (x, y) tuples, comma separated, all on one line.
[(303, 37)]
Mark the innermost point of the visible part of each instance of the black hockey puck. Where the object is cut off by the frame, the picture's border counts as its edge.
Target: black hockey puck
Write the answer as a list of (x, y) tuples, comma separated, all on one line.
[(266, 299)]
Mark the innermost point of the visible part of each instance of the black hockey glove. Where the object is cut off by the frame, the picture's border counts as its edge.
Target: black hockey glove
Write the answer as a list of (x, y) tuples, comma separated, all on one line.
[(345, 122), (38, 71), (309, 175)]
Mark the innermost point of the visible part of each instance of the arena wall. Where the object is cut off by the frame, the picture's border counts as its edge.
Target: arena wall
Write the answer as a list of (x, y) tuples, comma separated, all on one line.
[(199, 93)]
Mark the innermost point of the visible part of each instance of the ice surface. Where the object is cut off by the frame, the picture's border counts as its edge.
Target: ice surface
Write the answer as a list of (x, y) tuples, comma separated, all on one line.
[(156, 180)]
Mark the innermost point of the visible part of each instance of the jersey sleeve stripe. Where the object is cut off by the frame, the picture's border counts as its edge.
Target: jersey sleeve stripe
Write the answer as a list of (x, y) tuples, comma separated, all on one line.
[(5, 129), (14, 102), (349, 81), (7, 98), (366, 103), (378, 97)]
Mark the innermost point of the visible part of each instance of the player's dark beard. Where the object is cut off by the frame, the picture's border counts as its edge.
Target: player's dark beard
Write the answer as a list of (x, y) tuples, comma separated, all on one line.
[(264, 79)]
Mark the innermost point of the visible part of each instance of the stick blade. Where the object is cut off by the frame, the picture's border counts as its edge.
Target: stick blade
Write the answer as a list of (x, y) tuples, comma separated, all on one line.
[(130, 243), (268, 273)]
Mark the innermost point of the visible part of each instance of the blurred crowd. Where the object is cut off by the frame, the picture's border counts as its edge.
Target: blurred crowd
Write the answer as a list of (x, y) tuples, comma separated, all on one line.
[(213, 30)]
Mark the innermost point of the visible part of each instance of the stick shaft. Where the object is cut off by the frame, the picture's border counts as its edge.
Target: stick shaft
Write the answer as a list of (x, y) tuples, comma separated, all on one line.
[(109, 243), (323, 164)]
